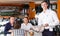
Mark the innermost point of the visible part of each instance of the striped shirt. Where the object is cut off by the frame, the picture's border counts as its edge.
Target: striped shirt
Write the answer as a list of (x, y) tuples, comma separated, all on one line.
[(18, 32)]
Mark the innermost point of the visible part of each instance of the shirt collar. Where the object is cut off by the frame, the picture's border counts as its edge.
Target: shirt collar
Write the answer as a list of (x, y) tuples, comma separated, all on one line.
[(46, 10), (25, 24)]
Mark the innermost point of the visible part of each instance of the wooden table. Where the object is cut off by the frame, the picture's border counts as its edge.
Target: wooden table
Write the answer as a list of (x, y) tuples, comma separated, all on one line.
[(31, 33)]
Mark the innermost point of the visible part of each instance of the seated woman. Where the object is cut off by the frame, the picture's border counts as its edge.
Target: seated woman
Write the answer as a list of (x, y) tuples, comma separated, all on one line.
[(27, 26), (17, 31)]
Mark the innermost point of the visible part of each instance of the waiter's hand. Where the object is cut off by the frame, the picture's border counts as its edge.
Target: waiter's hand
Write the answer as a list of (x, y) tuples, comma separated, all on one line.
[(46, 25)]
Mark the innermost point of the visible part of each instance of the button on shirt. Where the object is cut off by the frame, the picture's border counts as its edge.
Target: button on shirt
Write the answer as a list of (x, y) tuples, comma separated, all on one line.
[(26, 27), (48, 17)]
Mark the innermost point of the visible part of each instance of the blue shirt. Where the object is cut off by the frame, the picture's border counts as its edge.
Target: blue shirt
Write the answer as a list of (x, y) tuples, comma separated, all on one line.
[(7, 28)]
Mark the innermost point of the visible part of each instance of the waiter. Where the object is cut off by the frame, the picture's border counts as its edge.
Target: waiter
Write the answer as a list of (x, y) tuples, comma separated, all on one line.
[(48, 19)]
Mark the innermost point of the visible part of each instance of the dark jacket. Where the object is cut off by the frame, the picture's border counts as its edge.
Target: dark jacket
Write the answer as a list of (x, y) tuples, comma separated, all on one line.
[(7, 28)]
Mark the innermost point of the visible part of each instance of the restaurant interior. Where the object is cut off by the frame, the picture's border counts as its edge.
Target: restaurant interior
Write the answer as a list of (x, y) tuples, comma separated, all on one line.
[(22, 8)]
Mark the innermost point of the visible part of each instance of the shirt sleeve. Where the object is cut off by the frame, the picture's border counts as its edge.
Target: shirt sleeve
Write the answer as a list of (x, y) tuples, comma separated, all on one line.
[(31, 26), (39, 20), (22, 27), (55, 19)]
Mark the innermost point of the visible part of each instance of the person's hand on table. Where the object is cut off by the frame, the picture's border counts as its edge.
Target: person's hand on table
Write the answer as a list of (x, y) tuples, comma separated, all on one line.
[(10, 31)]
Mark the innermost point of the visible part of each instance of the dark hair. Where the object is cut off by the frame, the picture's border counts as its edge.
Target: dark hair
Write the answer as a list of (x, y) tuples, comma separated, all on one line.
[(26, 17), (11, 16), (45, 2), (48, 3), (17, 25)]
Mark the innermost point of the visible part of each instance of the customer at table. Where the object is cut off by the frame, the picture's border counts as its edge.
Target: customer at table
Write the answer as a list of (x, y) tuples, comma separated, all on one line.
[(26, 25), (17, 31), (9, 25)]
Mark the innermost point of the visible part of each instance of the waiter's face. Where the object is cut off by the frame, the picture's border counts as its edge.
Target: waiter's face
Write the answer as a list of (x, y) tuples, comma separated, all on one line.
[(44, 5)]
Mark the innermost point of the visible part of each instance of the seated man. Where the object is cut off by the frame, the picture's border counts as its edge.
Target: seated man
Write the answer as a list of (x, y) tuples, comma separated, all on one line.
[(9, 26)]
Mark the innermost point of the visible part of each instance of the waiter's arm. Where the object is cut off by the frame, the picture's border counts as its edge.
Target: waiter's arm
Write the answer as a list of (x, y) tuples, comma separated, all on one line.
[(55, 19), (39, 20)]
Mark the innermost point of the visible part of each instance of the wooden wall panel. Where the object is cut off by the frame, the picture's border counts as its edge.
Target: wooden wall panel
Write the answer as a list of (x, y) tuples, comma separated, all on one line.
[(58, 9), (31, 13)]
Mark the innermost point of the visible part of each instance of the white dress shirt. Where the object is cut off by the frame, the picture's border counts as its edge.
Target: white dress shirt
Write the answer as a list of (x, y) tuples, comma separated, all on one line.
[(48, 17), (26, 27)]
